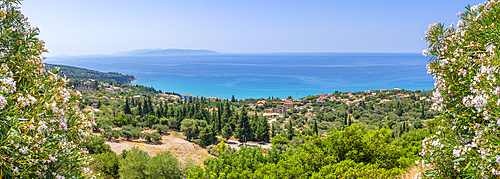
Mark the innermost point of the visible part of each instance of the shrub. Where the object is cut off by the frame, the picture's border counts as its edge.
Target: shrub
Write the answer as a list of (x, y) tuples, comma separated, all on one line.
[(279, 140), (37, 121), (464, 64), (151, 137), (95, 145), (130, 132), (163, 165), (106, 164), (190, 128), (134, 165), (162, 129)]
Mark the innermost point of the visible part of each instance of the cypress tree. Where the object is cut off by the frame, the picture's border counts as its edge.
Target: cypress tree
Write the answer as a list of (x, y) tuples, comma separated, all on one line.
[(233, 99), (423, 114), (273, 130), (227, 132), (315, 128), (139, 108), (160, 109), (126, 108), (264, 126), (291, 131), (345, 119), (243, 129)]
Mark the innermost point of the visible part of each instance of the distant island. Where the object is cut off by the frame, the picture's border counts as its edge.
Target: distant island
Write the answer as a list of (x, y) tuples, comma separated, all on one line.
[(165, 52)]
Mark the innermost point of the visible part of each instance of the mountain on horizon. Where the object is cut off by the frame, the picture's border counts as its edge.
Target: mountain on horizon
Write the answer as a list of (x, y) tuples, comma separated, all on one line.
[(165, 52)]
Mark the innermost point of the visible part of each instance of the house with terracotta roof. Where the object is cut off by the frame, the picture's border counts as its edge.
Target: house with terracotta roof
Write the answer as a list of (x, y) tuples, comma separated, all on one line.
[(187, 96), (310, 116), (385, 100), (288, 104), (262, 103)]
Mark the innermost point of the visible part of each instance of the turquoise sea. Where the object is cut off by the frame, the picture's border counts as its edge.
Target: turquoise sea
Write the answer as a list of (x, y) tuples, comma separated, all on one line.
[(266, 75)]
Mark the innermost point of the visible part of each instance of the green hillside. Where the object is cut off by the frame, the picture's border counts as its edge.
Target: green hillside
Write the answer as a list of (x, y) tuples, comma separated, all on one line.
[(82, 73)]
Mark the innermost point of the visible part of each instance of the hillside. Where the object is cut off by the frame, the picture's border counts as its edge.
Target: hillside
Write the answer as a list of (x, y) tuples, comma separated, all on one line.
[(82, 73)]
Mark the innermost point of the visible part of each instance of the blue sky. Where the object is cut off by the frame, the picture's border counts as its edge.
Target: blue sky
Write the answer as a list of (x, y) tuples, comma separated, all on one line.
[(109, 26)]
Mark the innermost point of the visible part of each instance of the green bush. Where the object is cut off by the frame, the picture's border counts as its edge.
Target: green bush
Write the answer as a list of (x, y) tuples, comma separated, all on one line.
[(95, 145), (135, 164), (465, 65), (130, 132), (160, 128), (163, 165), (151, 137), (106, 164), (350, 169), (37, 119)]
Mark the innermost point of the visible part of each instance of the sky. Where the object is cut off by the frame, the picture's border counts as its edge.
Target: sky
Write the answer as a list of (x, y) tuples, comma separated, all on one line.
[(257, 26)]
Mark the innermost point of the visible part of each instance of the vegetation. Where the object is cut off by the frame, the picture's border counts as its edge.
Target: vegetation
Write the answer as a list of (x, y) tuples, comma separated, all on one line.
[(370, 134), (75, 73), (37, 122), (465, 65)]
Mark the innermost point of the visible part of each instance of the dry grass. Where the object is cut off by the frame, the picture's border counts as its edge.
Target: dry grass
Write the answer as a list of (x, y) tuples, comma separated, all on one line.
[(410, 174), (173, 142)]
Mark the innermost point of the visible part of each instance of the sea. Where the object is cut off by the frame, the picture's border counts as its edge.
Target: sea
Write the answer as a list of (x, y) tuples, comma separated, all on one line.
[(265, 75)]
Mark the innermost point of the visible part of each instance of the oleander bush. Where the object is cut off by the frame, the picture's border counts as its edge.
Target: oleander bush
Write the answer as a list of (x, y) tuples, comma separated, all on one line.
[(465, 67), (40, 125)]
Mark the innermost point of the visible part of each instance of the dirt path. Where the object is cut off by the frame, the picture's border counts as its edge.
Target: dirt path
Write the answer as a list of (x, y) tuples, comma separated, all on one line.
[(175, 143)]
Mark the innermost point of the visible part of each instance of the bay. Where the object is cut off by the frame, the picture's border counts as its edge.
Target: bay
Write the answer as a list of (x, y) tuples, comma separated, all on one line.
[(266, 75)]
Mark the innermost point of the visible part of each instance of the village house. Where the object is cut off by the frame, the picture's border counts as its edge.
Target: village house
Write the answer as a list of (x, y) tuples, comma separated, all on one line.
[(288, 104), (105, 84), (251, 105), (187, 96), (214, 99), (262, 103), (399, 95), (111, 90), (310, 116), (385, 100), (278, 109)]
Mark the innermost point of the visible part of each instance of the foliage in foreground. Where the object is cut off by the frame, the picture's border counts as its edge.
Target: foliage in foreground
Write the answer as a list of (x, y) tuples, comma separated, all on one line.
[(465, 68), (37, 122), (136, 163), (354, 152)]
